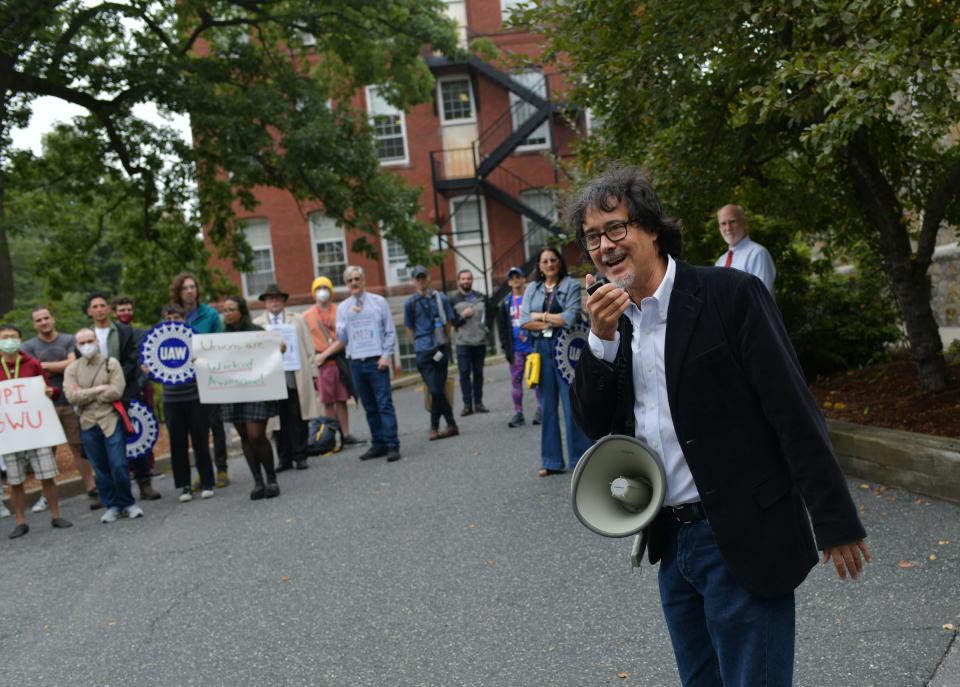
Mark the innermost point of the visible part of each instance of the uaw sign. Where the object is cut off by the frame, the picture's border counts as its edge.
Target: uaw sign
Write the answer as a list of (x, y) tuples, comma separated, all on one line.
[(165, 350), (27, 417), (146, 429), (239, 366), (567, 350)]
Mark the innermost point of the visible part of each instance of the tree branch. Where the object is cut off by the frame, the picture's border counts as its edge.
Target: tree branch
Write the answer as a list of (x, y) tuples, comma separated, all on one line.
[(939, 202)]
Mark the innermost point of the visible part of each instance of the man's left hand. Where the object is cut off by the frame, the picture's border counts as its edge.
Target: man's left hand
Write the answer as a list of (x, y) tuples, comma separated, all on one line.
[(846, 558), (383, 363), (49, 391)]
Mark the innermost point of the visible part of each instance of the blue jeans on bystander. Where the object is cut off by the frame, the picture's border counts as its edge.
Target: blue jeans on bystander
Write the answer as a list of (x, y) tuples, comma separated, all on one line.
[(555, 391), (373, 388), (108, 455)]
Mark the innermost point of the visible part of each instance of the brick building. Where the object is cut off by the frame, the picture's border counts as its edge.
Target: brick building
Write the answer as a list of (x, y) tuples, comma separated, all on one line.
[(481, 150)]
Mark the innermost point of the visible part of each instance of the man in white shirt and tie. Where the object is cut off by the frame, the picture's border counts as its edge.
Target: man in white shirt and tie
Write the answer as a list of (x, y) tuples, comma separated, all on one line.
[(743, 253)]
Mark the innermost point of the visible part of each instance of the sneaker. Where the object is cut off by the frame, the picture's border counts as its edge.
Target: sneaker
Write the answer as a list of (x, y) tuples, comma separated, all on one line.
[(19, 531), (41, 505), (222, 479), (133, 511), (109, 516), (186, 494), (536, 418), (516, 421), (4, 511), (206, 494)]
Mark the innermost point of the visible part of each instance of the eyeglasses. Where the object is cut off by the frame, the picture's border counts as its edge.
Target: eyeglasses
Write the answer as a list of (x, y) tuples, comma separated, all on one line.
[(351, 280), (615, 232)]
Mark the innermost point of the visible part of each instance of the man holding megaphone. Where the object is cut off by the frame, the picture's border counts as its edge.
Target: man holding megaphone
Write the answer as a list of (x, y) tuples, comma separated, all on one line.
[(694, 362)]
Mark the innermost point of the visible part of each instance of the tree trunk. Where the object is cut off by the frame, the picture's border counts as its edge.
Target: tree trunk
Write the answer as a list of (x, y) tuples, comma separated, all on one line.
[(908, 276), (6, 265)]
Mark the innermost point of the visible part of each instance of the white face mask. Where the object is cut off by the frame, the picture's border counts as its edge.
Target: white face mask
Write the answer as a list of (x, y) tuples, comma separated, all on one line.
[(88, 350), (323, 295)]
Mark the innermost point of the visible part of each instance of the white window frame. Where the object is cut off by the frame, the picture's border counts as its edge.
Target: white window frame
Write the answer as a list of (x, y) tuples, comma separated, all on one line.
[(316, 220), (514, 99), (529, 225), (482, 236), (396, 270), (268, 246), (472, 119), (370, 92)]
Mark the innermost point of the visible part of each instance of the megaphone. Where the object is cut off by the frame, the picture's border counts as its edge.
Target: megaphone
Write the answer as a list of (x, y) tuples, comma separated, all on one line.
[(618, 489)]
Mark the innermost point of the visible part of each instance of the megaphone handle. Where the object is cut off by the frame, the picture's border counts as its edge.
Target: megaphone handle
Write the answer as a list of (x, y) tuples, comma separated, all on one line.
[(639, 546)]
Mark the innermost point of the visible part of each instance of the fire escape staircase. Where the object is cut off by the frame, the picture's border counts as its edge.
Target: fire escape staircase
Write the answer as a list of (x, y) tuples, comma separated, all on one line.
[(480, 169)]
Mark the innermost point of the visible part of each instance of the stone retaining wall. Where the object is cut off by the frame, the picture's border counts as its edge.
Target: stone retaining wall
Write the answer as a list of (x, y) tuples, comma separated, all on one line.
[(917, 462), (945, 283)]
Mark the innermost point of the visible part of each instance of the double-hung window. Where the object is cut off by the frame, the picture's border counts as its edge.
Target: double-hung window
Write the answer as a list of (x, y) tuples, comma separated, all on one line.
[(389, 129), (521, 110), (329, 248), (256, 281), (456, 101)]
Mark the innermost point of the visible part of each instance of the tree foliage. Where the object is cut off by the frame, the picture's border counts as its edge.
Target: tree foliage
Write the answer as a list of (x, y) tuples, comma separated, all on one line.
[(836, 116), (267, 85)]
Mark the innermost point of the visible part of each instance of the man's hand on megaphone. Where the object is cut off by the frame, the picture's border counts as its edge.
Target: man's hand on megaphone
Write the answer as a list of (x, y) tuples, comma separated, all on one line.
[(606, 305)]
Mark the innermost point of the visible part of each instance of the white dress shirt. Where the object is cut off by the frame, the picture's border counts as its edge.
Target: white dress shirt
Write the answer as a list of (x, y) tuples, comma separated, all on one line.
[(651, 409), (749, 256)]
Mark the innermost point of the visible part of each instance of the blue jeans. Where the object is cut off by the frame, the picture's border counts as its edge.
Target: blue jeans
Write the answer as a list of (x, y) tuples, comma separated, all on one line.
[(470, 364), (554, 390), (722, 635), (373, 387), (434, 374), (108, 455)]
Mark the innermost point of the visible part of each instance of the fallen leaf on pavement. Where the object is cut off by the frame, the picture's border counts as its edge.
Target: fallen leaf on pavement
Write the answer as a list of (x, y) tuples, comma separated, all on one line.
[(932, 557), (949, 626), (941, 542), (285, 578), (111, 623), (289, 520), (906, 564), (623, 675)]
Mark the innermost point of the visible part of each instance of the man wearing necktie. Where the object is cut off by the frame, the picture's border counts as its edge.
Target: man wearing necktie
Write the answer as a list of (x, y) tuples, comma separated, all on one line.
[(695, 362), (743, 253)]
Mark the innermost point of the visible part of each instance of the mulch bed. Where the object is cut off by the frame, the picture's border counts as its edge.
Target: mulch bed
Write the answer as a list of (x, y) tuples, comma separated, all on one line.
[(886, 395)]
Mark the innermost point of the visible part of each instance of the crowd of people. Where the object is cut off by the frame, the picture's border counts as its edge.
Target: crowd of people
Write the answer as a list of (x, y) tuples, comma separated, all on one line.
[(345, 351)]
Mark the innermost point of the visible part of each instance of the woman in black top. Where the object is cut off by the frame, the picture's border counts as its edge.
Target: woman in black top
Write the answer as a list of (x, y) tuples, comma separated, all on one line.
[(250, 418)]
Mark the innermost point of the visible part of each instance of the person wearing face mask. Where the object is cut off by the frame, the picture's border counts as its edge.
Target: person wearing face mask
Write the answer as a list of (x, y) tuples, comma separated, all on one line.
[(333, 379), (15, 364), (93, 383), (118, 340)]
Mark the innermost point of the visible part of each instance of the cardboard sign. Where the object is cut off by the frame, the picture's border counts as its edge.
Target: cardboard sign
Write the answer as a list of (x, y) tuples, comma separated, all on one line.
[(239, 366), (27, 417), (291, 356)]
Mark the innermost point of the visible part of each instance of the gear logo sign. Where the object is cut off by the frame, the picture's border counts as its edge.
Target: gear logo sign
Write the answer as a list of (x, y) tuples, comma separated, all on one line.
[(146, 429), (567, 350), (165, 350)]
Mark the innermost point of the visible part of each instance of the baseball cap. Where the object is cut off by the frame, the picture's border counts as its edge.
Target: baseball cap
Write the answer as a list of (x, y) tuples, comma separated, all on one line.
[(419, 271), (514, 270)]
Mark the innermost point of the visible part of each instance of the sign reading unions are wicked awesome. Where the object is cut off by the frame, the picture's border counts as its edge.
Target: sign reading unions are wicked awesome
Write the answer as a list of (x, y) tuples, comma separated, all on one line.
[(239, 366), (27, 417)]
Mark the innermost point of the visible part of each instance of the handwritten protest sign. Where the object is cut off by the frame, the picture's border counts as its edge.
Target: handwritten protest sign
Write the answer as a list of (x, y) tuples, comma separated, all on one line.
[(239, 366), (27, 417), (291, 356)]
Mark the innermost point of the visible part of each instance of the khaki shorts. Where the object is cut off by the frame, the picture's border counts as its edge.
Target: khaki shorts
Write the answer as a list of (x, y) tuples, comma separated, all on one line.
[(71, 424), (42, 461)]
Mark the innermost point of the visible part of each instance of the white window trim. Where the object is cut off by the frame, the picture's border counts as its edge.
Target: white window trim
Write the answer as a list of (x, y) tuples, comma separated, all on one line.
[(403, 130), (313, 247), (388, 273), (273, 264), (484, 229), (527, 223), (513, 100), (473, 105)]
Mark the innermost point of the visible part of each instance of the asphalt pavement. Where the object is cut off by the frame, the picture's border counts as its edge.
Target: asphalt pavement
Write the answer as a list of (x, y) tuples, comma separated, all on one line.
[(456, 565)]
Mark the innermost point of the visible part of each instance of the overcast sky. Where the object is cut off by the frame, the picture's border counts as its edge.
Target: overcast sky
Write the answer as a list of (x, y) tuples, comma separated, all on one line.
[(47, 111)]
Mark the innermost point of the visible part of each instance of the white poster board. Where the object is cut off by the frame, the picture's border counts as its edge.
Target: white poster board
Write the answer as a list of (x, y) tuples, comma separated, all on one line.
[(291, 356), (27, 417), (239, 366)]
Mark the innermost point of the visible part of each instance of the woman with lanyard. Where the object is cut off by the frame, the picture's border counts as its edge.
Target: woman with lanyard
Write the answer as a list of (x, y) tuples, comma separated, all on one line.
[(249, 418), (550, 304)]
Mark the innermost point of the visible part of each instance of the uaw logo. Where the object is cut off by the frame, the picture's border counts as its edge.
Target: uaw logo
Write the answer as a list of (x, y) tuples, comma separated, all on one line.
[(165, 350), (146, 429), (567, 350)]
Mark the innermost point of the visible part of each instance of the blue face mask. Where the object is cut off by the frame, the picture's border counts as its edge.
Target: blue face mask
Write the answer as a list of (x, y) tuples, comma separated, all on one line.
[(9, 345)]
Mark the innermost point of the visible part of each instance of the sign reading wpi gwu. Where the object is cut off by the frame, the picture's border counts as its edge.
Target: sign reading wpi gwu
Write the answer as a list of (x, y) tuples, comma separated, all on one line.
[(27, 417), (166, 351)]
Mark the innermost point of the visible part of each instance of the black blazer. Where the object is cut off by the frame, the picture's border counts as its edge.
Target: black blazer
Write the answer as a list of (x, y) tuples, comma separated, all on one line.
[(749, 428)]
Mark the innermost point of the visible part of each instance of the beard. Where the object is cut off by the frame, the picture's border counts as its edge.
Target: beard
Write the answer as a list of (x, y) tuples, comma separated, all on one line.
[(624, 282)]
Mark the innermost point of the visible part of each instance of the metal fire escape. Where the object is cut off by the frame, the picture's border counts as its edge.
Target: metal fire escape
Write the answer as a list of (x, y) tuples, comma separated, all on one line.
[(479, 170)]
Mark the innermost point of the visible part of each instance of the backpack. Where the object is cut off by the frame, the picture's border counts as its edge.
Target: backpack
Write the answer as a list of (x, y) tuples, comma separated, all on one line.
[(325, 437)]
